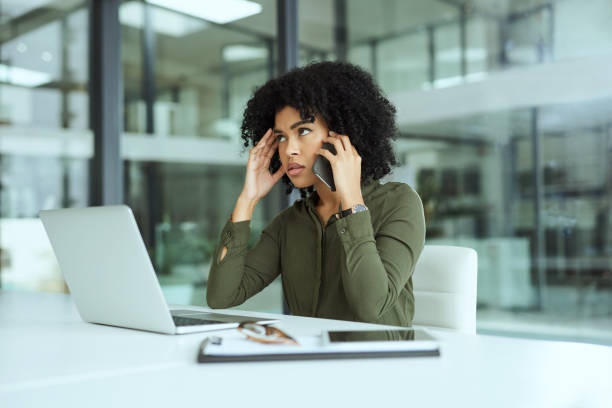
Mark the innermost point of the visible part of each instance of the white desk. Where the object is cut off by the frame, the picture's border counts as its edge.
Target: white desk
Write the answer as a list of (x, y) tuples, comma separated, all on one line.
[(49, 357)]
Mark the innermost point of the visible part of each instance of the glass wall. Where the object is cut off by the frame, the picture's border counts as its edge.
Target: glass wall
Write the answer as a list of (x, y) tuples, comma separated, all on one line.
[(45, 144), (504, 109), (187, 81), (506, 133)]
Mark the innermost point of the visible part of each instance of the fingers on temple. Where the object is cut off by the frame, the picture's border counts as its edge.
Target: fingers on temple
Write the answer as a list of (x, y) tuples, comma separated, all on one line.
[(327, 154), (336, 142), (343, 141), (270, 148), (346, 143), (264, 140)]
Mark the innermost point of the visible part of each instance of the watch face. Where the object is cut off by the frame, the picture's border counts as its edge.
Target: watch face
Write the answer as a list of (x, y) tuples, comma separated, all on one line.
[(354, 209), (359, 208)]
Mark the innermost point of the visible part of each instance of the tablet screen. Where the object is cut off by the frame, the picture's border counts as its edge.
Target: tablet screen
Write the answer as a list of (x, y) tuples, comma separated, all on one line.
[(377, 335)]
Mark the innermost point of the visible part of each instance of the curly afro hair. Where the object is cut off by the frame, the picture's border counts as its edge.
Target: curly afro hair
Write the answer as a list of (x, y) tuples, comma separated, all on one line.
[(344, 96)]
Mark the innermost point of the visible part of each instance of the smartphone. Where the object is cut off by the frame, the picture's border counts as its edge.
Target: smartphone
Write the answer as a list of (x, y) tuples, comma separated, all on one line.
[(322, 168)]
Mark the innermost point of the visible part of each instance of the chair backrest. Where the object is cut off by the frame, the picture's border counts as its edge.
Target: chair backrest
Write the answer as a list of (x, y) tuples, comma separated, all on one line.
[(444, 285)]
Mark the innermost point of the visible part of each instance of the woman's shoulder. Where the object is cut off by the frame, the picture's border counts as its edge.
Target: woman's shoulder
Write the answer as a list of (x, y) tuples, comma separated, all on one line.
[(394, 200), (394, 191)]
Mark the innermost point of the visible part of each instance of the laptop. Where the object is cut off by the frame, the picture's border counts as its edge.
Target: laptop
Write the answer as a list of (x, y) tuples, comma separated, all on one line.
[(110, 275)]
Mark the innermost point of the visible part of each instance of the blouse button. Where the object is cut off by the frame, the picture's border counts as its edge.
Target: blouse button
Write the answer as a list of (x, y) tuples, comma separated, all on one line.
[(343, 230)]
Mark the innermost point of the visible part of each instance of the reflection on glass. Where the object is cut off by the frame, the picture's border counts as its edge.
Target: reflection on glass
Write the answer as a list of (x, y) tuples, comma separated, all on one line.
[(44, 142), (544, 246), (375, 335), (185, 91), (511, 157), (506, 157)]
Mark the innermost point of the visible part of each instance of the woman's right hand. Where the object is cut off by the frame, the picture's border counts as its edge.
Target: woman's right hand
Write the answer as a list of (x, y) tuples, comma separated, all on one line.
[(259, 181)]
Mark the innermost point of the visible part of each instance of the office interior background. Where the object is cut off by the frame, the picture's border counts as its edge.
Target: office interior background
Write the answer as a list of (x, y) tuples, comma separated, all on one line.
[(504, 110)]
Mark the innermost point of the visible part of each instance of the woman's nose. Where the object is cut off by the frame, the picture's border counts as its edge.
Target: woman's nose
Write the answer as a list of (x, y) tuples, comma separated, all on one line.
[(293, 147)]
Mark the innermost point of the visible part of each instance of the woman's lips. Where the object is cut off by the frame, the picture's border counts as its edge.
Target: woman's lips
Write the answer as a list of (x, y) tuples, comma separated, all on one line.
[(296, 170)]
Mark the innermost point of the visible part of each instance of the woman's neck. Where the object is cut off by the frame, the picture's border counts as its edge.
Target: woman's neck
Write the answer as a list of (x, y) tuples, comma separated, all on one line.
[(327, 199)]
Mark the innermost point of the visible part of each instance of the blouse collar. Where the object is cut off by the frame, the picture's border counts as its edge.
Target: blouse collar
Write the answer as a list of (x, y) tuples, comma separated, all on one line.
[(366, 188)]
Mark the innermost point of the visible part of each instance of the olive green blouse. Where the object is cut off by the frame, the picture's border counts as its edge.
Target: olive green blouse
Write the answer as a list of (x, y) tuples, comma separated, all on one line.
[(355, 268)]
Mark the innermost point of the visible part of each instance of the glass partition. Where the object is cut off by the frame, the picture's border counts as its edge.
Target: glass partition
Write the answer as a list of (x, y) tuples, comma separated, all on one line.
[(186, 86), (45, 144), (504, 114)]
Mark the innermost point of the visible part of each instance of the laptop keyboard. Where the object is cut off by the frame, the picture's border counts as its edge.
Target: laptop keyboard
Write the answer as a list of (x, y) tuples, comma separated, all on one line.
[(190, 321)]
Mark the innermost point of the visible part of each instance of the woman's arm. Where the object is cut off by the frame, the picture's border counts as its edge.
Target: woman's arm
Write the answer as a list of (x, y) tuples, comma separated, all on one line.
[(237, 273), (241, 273), (378, 267), (243, 211)]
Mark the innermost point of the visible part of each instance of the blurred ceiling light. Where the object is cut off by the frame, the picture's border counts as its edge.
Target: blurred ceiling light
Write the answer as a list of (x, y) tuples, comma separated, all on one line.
[(164, 21), (46, 56), (217, 11), (22, 76), (234, 53)]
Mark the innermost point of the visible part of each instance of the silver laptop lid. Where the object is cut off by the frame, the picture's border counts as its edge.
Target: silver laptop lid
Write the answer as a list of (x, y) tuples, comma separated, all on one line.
[(107, 268)]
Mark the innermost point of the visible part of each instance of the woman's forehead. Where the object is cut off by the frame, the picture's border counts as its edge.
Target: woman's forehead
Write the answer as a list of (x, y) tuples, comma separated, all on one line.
[(288, 116)]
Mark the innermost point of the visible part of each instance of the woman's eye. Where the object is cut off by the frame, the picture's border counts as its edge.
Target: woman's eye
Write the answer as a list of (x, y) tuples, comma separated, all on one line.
[(303, 131), (281, 138)]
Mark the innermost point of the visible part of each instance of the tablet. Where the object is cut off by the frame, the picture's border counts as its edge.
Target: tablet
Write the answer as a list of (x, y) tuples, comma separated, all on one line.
[(399, 339)]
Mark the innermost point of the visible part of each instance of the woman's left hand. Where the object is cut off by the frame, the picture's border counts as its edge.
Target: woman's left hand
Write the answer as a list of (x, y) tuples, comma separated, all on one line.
[(346, 166)]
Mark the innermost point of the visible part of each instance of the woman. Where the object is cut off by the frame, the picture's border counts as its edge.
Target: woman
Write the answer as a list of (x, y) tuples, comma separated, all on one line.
[(347, 254)]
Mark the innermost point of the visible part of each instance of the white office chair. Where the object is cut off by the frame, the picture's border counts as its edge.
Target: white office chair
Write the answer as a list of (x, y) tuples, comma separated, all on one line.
[(444, 285)]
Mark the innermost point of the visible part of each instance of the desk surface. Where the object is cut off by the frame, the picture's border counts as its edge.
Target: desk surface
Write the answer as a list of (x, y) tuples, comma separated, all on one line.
[(49, 357)]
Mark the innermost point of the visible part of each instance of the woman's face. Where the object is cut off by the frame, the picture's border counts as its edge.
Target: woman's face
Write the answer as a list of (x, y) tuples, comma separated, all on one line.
[(299, 141)]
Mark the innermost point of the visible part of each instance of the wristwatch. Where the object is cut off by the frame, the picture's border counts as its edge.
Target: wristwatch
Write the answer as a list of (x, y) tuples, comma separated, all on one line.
[(354, 209)]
